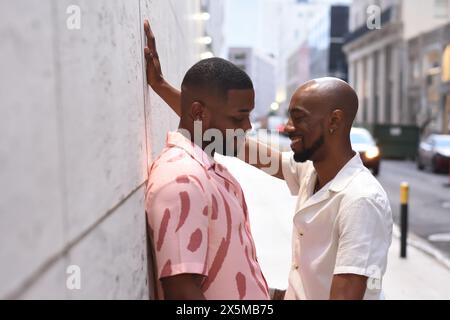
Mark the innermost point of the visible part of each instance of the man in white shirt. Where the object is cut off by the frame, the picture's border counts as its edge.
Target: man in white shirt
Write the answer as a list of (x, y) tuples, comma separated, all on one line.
[(343, 221)]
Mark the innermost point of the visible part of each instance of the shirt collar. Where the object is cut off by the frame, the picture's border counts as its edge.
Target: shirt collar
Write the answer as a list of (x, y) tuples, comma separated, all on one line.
[(177, 139), (347, 173)]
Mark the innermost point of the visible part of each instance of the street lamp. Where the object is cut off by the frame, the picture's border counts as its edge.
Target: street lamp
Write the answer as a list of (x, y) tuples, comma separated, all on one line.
[(204, 40), (275, 106)]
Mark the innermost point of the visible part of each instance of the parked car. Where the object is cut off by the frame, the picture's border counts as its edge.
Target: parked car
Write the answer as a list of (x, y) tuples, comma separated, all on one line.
[(434, 152), (363, 142)]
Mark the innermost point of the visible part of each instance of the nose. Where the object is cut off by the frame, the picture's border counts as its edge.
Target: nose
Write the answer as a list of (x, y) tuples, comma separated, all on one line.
[(247, 125), (289, 127)]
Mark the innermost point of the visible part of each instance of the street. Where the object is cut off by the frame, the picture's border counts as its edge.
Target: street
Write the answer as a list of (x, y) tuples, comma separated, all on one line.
[(429, 205)]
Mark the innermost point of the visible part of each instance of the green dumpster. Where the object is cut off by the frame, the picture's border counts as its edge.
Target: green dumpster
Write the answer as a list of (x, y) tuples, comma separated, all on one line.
[(397, 141)]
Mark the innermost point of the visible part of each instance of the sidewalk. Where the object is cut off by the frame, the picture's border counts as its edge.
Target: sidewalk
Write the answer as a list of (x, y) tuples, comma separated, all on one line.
[(271, 209), (419, 277)]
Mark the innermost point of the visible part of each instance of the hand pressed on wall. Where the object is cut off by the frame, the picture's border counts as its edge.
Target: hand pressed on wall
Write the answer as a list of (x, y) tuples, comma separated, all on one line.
[(155, 78), (154, 73)]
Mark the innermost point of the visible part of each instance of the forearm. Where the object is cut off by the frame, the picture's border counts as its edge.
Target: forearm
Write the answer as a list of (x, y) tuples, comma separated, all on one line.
[(276, 294), (263, 157), (183, 287), (348, 287), (170, 95)]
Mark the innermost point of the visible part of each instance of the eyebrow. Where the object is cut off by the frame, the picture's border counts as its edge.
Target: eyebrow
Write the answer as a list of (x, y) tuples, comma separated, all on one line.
[(298, 109), (245, 110)]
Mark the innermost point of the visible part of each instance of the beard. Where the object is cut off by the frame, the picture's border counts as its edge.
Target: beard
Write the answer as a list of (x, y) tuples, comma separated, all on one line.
[(307, 154)]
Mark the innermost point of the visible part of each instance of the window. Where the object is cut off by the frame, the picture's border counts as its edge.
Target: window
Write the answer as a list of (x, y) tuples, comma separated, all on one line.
[(240, 56)]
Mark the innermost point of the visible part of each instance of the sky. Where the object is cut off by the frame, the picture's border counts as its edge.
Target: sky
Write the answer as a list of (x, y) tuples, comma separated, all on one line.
[(246, 21), (241, 18)]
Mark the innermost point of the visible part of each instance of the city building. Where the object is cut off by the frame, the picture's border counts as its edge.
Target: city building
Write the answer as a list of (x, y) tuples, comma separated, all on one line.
[(275, 28), (214, 37), (377, 53), (294, 27), (297, 69), (261, 69), (428, 80), (325, 41), (299, 19)]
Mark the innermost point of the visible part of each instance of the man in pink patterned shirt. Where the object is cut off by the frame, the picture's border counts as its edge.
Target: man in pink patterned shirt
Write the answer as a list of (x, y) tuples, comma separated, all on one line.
[(196, 209), (201, 232)]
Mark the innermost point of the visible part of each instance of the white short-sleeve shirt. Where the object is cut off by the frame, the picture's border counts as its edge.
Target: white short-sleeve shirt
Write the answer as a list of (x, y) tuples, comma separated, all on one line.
[(345, 228)]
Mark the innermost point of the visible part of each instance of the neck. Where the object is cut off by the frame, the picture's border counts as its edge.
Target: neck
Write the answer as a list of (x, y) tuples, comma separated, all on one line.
[(329, 167), (189, 132)]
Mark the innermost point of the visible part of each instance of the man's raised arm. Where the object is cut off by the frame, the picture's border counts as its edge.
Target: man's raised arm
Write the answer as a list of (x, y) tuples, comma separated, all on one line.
[(155, 78), (263, 157)]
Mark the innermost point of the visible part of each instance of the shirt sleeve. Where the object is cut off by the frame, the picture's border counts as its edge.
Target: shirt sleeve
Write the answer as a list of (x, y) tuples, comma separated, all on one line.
[(178, 215), (291, 172), (365, 233)]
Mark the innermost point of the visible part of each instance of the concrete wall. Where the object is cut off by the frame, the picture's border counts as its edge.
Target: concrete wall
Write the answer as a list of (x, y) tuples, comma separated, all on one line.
[(78, 130)]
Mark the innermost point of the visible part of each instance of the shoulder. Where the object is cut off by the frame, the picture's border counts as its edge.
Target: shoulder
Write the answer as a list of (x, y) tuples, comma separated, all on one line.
[(175, 174), (364, 192), (365, 185), (173, 164)]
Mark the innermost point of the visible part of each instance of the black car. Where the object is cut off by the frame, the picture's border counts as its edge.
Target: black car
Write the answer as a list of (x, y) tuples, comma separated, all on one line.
[(434, 153), (363, 142)]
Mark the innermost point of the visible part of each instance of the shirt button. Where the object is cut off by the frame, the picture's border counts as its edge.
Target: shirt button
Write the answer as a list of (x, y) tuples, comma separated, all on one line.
[(295, 267), (301, 234)]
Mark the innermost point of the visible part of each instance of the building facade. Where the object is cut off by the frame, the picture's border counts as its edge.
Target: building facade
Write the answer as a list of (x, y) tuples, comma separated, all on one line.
[(325, 42), (300, 19), (261, 69), (376, 50), (297, 71), (214, 26), (428, 80)]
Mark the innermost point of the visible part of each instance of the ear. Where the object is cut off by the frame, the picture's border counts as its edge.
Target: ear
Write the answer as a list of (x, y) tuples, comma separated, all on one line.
[(335, 121), (197, 110)]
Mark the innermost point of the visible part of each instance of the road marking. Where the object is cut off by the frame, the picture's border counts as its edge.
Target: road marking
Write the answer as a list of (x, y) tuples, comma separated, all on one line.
[(440, 237)]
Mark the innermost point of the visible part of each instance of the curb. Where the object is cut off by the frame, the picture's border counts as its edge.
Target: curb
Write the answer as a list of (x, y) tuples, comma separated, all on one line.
[(420, 244)]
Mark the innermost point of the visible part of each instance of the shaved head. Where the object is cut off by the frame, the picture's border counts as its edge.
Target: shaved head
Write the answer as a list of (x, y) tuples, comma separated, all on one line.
[(328, 94), (321, 115)]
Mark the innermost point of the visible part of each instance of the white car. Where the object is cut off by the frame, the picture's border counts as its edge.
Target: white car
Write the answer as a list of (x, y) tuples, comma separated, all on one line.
[(364, 143)]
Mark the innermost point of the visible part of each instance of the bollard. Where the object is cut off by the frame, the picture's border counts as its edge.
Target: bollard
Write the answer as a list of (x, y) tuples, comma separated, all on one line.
[(404, 198)]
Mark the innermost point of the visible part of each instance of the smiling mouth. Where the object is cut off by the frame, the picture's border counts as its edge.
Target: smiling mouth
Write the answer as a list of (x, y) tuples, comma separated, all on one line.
[(296, 141)]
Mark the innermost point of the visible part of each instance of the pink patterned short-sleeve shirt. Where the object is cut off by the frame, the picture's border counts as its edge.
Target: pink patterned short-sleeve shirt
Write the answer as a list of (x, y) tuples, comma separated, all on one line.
[(199, 223)]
